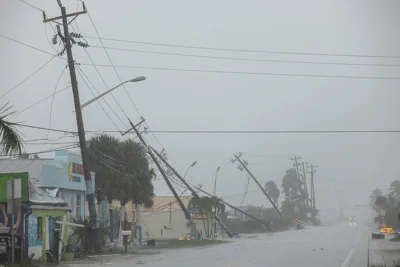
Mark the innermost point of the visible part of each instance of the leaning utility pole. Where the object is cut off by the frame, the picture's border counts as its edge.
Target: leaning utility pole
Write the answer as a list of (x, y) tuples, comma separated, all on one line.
[(235, 208), (149, 150), (243, 166), (79, 120), (194, 193), (312, 167)]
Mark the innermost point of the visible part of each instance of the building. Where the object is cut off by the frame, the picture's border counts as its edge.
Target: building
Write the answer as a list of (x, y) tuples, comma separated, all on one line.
[(165, 220), (61, 177), (35, 220), (45, 234)]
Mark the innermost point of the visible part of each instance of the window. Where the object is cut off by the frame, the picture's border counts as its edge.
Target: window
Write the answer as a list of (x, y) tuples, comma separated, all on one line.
[(39, 227), (78, 205)]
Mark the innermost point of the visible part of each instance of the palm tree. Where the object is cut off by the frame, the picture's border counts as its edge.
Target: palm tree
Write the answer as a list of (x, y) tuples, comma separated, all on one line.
[(391, 207), (292, 187), (372, 198), (394, 190), (273, 191), (11, 142)]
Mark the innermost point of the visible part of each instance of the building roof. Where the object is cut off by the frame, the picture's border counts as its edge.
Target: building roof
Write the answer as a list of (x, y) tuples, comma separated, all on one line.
[(31, 166), (40, 197)]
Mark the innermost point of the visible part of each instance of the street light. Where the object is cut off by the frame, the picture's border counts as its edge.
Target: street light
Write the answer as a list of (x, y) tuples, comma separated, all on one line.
[(215, 181), (137, 79), (194, 163)]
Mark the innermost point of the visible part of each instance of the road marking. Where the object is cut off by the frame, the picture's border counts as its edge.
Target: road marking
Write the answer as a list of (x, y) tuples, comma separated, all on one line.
[(348, 258), (243, 262)]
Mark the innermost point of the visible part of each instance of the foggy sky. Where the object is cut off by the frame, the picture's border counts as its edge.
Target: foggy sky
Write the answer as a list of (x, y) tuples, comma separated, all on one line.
[(350, 165)]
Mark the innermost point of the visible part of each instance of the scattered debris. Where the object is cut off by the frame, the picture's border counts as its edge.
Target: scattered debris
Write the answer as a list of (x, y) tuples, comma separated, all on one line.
[(140, 262)]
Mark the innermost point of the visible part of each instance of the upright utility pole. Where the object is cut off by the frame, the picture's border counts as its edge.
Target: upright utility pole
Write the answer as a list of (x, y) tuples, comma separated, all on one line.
[(296, 165), (149, 150), (79, 120), (243, 166), (312, 171), (305, 183)]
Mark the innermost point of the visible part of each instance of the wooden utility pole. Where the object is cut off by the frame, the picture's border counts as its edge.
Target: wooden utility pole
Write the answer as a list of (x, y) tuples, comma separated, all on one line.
[(243, 166), (194, 193), (305, 184), (149, 150), (66, 38), (312, 171), (236, 209)]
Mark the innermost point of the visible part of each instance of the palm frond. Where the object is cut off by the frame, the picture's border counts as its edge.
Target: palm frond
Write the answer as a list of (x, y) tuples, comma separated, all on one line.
[(11, 141)]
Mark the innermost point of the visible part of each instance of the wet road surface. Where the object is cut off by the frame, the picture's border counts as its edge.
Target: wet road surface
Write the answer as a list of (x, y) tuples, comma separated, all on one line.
[(312, 247)]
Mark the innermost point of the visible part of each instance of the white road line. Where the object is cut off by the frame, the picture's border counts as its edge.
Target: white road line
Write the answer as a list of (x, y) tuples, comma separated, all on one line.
[(348, 258)]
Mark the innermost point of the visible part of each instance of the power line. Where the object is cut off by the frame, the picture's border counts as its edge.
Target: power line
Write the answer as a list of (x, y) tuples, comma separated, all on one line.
[(116, 72), (112, 64), (27, 78), (101, 77), (87, 85), (32, 6), (44, 151), (247, 50), (247, 73), (24, 44), (250, 59), (40, 101), (225, 131), (51, 105)]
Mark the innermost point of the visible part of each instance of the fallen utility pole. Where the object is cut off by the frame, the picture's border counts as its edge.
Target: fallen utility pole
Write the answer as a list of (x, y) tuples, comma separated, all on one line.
[(243, 166), (191, 190), (235, 208), (66, 38), (149, 150)]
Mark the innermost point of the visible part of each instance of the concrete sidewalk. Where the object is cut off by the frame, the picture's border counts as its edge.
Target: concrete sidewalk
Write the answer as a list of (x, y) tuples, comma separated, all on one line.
[(374, 251), (384, 251)]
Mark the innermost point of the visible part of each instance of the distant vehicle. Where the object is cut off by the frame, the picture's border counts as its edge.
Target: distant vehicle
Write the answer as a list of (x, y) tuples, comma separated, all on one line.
[(353, 221)]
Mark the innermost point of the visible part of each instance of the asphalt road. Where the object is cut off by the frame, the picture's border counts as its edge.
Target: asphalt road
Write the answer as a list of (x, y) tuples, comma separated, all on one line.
[(312, 247)]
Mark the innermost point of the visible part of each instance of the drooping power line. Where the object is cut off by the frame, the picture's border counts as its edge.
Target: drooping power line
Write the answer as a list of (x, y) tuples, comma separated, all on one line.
[(249, 50), (248, 73), (250, 59)]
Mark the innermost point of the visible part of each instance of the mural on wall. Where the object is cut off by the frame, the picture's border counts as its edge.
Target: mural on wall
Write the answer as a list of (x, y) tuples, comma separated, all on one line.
[(75, 168), (5, 219), (33, 240)]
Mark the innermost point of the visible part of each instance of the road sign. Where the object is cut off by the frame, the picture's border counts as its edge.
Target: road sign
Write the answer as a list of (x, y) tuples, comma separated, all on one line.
[(14, 196), (309, 215)]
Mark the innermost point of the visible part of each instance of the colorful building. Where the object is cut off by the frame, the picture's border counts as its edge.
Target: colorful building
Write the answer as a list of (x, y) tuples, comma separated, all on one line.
[(40, 222), (61, 177)]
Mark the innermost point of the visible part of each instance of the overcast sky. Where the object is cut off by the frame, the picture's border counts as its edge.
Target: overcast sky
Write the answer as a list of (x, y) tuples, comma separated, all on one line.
[(353, 164)]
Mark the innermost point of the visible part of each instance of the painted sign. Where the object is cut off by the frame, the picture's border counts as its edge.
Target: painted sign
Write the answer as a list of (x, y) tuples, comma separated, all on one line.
[(5, 177), (76, 179), (75, 168)]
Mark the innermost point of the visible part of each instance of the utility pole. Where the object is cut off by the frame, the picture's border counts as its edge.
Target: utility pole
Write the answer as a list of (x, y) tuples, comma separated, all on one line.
[(194, 193), (79, 120), (235, 208), (305, 183), (215, 181), (312, 171), (149, 150), (296, 165), (243, 166)]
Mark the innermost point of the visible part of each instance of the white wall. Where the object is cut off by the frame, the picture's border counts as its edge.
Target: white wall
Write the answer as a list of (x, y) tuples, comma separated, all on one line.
[(154, 222)]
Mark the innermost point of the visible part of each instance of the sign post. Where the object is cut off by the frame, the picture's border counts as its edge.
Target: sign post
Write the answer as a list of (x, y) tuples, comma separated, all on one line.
[(13, 197)]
